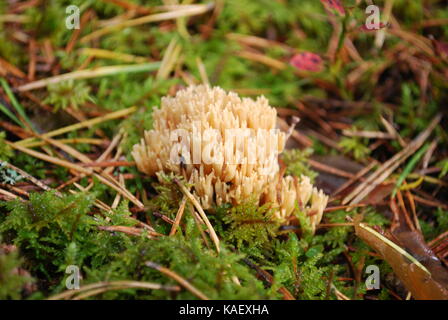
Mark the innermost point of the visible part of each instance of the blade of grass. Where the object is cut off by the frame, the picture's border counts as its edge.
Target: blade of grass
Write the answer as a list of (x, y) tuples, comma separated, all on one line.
[(15, 103), (409, 167), (10, 115)]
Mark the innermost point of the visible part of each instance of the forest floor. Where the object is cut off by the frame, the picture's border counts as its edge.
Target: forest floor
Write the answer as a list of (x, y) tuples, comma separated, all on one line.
[(372, 134)]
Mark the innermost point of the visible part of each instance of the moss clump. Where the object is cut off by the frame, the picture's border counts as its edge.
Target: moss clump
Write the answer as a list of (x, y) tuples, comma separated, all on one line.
[(12, 278), (296, 161), (5, 150)]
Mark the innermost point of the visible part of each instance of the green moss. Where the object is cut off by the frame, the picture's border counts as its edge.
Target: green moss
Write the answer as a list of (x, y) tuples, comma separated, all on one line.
[(11, 280), (250, 226), (5, 150), (68, 94), (356, 146), (52, 232), (296, 161)]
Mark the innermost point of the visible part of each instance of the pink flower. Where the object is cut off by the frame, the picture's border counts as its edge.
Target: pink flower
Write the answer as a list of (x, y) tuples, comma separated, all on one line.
[(307, 61), (334, 5)]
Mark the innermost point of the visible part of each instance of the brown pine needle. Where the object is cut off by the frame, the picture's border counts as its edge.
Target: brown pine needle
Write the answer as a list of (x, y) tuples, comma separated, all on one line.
[(179, 215), (391, 130), (113, 285), (98, 203), (105, 177), (368, 134), (51, 159), (357, 176), (335, 171), (8, 194), (199, 223), (201, 212), (129, 230), (68, 141), (117, 198), (80, 125), (339, 294), (88, 171), (394, 246), (184, 283), (261, 58), (299, 137), (182, 12), (169, 60), (202, 71), (124, 192), (385, 170), (91, 73), (29, 177), (109, 164)]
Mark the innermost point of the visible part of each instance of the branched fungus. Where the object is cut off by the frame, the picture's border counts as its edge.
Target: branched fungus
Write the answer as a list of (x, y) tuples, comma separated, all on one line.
[(228, 148)]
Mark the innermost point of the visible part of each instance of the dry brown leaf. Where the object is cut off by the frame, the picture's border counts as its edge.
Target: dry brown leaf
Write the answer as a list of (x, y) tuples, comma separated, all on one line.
[(415, 277)]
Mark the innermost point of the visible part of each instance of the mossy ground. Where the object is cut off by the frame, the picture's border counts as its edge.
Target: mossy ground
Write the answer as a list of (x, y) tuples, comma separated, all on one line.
[(43, 232)]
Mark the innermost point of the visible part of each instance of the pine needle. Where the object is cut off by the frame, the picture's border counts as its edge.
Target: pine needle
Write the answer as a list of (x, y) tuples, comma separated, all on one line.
[(182, 12), (409, 167), (80, 125), (15, 104), (113, 285), (198, 207), (91, 73), (184, 283)]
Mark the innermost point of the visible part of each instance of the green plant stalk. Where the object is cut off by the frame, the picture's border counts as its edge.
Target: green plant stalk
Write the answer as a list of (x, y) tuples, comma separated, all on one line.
[(409, 167), (11, 115), (15, 103)]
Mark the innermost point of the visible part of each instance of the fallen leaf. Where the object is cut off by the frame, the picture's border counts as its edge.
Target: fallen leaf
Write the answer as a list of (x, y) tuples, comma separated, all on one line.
[(412, 273)]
